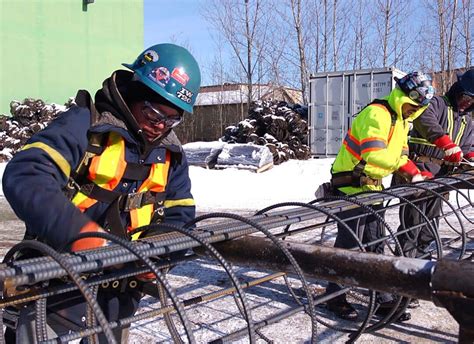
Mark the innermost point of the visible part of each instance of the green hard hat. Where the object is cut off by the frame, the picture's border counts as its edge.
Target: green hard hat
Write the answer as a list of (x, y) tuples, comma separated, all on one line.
[(171, 71)]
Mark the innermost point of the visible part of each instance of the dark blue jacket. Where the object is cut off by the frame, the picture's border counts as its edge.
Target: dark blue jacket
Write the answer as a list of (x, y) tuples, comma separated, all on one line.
[(34, 179)]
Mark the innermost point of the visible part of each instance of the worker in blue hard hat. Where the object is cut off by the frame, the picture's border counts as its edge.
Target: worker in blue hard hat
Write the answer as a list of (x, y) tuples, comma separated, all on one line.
[(110, 163)]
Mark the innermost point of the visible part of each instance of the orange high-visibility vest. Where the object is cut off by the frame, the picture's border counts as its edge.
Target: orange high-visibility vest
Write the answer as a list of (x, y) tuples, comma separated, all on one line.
[(106, 171)]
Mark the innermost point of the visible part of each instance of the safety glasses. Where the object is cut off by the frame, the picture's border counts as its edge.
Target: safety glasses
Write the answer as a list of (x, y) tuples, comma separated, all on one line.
[(155, 116)]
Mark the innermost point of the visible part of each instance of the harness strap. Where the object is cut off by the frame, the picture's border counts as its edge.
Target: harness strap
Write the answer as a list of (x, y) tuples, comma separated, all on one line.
[(343, 179), (358, 170), (385, 103), (126, 202), (393, 115), (355, 178), (136, 171), (114, 221)]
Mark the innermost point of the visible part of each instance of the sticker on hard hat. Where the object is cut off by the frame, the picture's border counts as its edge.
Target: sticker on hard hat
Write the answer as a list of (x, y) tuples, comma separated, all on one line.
[(160, 75), (185, 95), (180, 76), (150, 56)]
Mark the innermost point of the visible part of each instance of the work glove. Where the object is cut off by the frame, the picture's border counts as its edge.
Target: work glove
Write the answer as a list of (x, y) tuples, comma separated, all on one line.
[(467, 162), (452, 152), (146, 277), (89, 243), (423, 175), (427, 175), (411, 172), (470, 157)]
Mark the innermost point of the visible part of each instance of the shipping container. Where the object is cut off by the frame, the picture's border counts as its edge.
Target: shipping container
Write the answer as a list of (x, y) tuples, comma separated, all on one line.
[(336, 97)]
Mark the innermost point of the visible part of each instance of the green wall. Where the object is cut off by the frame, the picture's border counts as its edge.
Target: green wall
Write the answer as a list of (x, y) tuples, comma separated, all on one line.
[(51, 48)]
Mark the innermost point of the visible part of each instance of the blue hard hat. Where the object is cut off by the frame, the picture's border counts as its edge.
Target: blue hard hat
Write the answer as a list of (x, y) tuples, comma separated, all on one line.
[(171, 71)]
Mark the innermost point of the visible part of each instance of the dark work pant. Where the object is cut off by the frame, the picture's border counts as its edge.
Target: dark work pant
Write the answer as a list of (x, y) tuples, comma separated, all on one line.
[(415, 242), (370, 228)]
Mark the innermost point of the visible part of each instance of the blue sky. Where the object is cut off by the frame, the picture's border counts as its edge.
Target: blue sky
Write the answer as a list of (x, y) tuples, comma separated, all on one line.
[(179, 22)]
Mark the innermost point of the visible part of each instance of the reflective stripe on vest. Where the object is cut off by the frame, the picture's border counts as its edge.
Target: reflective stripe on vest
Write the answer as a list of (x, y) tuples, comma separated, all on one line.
[(155, 182), (450, 122), (450, 129), (461, 131), (106, 170), (357, 148), (420, 141)]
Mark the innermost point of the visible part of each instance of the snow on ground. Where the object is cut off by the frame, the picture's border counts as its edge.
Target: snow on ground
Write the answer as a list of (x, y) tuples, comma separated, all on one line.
[(234, 189), (294, 180), (241, 191)]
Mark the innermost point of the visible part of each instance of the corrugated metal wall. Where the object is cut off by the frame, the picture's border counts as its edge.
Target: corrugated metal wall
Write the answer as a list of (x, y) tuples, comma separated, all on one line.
[(51, 48)]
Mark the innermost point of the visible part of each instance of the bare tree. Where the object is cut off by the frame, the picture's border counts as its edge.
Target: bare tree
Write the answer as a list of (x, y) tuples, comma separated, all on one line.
[(296, 14), (315, 32), (446, 11), (340, 32), (360, 34), (325, 34), (466, 30), (389, 16), (334, 35), (244, 26)]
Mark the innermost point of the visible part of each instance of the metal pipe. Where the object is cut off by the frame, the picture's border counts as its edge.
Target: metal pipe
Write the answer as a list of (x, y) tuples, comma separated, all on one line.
[(398, 275)]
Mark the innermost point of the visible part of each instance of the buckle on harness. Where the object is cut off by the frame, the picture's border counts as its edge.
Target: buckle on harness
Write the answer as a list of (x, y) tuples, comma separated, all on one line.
[(133, 201)]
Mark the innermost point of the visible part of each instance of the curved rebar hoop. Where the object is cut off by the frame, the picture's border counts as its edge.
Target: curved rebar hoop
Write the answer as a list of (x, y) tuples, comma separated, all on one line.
[(227, 267), (458, 192), (311, 311), (463, 232), (90, 318), (40, 323), (371, 306), (379, 218), (75, 277), (286, 229), (317, 208), (397, 310), (339, 221), (469, 172), (370, 313), (163, 297), (471, 184), (159, 276), (433, 230)]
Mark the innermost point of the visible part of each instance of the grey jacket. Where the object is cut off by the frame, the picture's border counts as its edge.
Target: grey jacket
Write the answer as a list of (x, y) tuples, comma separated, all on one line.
[(440, 118)]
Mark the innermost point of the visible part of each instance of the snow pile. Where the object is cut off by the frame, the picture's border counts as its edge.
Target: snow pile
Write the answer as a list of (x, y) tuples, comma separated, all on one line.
[(28, 117)]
